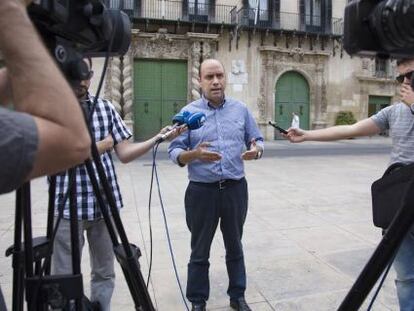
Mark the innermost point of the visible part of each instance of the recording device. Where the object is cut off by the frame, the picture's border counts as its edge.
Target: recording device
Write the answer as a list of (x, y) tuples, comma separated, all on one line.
[(183, 119), (277, 127), (75, 29), (382, 28)]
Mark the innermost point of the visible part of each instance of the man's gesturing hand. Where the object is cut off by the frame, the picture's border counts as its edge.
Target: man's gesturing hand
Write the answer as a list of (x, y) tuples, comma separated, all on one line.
[(204, 154), (252, 153)]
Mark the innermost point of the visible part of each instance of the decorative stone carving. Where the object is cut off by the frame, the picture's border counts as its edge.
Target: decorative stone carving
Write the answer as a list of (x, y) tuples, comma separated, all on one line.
[(162, 46), (206, 50), (324, 102), (261, 102), (127, 87), (116, 83), (195, 55), (311, 64)]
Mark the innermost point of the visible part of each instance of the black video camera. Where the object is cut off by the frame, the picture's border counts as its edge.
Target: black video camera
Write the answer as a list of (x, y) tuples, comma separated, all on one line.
[(379, 27), (75, 29)]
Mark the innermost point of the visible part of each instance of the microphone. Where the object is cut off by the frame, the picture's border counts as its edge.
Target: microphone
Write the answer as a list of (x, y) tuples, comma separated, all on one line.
[(196, 120), (183, 119)]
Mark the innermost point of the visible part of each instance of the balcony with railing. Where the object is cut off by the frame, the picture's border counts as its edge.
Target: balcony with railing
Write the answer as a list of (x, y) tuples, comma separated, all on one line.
[(176, 10), (288, 21), (196, 12)]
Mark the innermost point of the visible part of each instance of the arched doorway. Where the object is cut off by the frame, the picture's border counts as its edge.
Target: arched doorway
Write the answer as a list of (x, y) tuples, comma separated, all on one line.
[(292, 95)]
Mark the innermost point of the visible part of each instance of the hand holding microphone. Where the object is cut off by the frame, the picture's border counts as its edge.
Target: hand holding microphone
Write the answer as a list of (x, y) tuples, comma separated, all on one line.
[(182, 121)]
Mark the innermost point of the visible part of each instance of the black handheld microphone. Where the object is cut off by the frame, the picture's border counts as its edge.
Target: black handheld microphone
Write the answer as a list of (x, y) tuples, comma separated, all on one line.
[(277, 127)]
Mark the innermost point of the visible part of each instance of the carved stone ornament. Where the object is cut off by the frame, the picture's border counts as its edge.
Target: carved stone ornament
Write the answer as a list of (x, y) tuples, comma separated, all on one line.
[(310, 64), (195, 56), (161, 46), (127, 87)]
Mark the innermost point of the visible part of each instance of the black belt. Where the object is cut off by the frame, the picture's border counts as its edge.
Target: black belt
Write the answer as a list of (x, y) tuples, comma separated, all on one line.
[(221, 184)]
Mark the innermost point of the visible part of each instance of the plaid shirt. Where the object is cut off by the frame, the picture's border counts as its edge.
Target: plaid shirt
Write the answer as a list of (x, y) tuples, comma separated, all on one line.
[(105, 121)]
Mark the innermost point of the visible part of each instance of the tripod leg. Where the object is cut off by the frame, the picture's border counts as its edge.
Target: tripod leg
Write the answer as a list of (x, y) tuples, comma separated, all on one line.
[(74, 230), (17, 261), (126, 253), (50, 217)]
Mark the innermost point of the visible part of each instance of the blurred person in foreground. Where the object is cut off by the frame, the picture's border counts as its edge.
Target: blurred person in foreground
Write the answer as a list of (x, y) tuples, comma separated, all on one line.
[(45, 131), (399, 119)]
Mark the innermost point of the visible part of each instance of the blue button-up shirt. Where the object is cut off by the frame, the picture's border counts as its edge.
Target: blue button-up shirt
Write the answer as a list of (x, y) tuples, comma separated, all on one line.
[(229, 129)]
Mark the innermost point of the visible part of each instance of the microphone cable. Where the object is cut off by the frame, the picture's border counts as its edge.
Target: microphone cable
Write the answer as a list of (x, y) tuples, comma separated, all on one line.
[(154, 173)]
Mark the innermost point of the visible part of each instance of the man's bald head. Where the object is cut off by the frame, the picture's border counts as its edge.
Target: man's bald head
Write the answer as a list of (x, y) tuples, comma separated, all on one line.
[(209, 61), (213, 81)]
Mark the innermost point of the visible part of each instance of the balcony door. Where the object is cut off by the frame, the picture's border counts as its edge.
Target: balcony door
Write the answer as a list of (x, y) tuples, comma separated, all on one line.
[(257, 13), (316, 15), (199, 10)]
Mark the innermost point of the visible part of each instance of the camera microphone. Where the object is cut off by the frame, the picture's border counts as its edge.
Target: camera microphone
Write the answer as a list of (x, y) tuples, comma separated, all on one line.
[(183, 119)]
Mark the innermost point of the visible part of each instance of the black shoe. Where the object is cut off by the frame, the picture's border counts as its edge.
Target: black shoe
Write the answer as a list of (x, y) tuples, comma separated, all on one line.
[(239, 304), (198, 307)]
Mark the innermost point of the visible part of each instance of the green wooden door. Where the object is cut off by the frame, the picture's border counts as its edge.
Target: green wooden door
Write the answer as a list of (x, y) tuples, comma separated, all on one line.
[(160, 91), (292, 95), (375, 104)]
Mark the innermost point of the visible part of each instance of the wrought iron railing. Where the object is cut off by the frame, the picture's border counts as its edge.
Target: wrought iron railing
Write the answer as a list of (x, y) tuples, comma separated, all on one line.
[(176, 10), (288, 21), (192, 11)]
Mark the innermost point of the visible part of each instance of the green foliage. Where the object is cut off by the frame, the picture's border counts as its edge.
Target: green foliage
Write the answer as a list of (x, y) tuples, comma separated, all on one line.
[(344, 118)]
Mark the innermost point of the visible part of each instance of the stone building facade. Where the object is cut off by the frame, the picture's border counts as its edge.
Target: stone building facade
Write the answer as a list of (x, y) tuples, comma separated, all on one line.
[(281, 57)]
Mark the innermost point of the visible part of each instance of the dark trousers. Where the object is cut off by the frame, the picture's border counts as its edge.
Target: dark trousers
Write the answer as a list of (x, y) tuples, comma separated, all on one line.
[(205, 206)]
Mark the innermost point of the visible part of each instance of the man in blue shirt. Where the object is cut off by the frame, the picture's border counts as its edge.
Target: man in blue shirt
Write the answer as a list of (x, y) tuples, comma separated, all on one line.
[(217, 190)]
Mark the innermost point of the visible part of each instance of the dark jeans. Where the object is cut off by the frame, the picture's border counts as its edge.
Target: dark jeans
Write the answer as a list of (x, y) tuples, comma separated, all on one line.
[(205, 205)]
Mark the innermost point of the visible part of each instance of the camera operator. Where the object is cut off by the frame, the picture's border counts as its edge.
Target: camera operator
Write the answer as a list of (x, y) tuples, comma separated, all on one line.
[(46, 133), (400, 120), (110, 132)]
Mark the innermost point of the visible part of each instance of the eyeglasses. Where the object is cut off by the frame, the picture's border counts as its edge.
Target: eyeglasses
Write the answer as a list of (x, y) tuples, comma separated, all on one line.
[(407, 75)]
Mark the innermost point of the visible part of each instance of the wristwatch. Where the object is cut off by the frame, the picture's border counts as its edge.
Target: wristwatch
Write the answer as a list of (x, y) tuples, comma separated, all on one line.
[(258, 154)]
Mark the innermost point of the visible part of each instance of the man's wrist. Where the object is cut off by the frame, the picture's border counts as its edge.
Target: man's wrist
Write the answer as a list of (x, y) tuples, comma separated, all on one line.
[(258, 154)]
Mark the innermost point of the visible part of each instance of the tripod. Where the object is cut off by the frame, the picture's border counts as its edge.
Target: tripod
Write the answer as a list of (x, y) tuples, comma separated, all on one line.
[(383, 254), (31, 257)]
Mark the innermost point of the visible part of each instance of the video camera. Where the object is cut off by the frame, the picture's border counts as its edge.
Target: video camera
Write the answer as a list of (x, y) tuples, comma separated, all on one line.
[(74, 29), (379, 27)]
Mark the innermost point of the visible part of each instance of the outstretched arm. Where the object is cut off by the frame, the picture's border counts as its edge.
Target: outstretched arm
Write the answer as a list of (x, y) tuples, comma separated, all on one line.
[(364, 127), (128, 151), (37, 87)]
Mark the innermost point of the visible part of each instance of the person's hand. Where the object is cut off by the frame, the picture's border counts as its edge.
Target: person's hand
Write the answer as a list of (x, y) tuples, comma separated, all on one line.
[(252, 153), (21, 2), (407, 94), (109, 142), (295, 135), (177, 131), (203, 154)]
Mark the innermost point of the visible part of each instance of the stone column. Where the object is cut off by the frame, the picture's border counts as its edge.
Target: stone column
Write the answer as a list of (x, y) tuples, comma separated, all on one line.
[(116, 83), (127, 87), (195, 60)]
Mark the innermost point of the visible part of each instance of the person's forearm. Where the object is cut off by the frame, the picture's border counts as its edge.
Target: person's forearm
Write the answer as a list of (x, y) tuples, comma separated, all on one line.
[(186, 157), (37, 84), (330, 134), (5, 89), (130, 151)]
